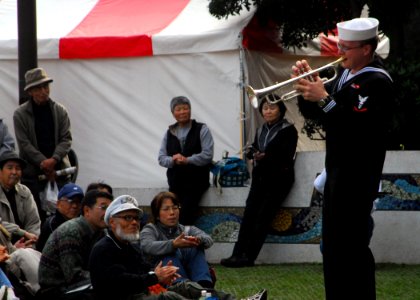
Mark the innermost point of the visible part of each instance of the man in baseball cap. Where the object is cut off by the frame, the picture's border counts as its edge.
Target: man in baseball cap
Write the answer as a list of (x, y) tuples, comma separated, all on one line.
[(68, 207)]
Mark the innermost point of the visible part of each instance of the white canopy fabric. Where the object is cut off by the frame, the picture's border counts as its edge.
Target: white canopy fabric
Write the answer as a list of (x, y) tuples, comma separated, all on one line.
[(116, 65)]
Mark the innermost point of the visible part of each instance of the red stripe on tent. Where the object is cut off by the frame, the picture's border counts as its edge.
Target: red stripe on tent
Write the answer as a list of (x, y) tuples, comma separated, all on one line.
[(329, 44), (120, 28)]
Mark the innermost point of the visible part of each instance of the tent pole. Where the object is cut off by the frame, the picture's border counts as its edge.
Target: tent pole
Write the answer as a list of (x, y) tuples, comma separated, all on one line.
[(27, 42), (243, 99)]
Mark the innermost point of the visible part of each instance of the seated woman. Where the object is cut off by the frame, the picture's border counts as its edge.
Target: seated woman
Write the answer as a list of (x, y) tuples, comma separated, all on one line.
[(167, 240)]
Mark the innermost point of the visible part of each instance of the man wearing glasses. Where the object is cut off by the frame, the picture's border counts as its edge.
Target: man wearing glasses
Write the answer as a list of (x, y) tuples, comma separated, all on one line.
[(68, 207), (64, 260), (356, 110), (119, 270)]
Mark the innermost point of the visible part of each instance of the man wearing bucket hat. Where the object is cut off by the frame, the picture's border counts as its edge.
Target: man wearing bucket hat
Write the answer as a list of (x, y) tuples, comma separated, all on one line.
[(18, 211), (356, 109), (42, 129), (119, 270)]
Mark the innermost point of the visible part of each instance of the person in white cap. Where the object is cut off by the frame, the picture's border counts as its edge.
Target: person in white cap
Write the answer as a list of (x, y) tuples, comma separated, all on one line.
[(43, 134), (356, 109), (119, 270)]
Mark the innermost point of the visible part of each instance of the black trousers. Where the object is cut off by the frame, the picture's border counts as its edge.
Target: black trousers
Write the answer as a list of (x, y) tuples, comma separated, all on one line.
[(348, 262), (262, 204)]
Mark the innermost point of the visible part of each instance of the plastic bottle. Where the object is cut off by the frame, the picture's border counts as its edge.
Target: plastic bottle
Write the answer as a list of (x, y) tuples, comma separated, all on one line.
[(203, 295), (210, 297)]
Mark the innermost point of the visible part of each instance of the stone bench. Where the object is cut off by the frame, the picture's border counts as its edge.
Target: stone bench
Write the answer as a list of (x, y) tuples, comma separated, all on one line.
[(296, 230)]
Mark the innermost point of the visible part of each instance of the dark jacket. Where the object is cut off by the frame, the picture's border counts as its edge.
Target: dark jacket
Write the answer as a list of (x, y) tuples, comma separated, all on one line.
[(118, 270), (50, 224), (277, 167)]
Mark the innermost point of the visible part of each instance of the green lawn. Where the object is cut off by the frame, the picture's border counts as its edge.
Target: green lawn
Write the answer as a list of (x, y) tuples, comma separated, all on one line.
[(305, 281)]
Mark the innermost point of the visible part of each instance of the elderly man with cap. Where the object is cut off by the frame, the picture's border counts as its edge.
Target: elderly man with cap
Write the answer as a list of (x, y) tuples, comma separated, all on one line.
[(18, 211), (68, 207), (42, 129), (65, 257), (187, 151), (356, 108), (119, 270)]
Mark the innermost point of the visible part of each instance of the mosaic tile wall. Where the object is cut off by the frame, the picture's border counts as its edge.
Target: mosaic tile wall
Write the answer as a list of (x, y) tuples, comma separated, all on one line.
[(303, 225)]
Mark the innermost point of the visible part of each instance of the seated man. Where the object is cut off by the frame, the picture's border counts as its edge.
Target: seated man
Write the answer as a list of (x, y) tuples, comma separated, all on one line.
[(100, 186), (18, 210), (64, 260), (68, 207), (168, 240), (119, 271), (21, 261)]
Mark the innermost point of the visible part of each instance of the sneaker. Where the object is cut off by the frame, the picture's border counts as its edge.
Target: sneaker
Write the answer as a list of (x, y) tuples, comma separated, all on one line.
[(261, 295)]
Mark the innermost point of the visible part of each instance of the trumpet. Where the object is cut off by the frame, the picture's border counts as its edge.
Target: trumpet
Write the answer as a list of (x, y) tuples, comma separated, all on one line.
[(255, 95)]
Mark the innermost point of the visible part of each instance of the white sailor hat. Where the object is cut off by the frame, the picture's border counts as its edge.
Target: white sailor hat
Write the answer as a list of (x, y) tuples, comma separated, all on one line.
[(358, 29)]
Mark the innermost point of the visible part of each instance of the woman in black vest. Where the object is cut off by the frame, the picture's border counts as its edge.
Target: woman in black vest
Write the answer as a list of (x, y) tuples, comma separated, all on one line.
[(187, 152)]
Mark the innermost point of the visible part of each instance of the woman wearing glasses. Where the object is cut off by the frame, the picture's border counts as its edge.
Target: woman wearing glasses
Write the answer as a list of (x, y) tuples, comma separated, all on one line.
[(167, 240)]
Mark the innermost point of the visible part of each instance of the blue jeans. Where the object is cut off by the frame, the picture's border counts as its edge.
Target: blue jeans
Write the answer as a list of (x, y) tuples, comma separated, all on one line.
[(4, 280), (192, 264)]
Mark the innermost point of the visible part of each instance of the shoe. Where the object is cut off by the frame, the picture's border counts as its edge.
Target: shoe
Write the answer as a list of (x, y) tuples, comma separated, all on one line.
[(261, 295), (237, 262)]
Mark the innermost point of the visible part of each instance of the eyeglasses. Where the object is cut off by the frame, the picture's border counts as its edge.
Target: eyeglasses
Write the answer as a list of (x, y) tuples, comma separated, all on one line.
[(168, 208), (343, 48), (128, 218), (71, 201), (103, 207)]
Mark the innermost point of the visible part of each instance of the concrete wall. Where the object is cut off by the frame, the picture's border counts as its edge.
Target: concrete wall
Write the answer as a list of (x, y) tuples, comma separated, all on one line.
[(395, 238)]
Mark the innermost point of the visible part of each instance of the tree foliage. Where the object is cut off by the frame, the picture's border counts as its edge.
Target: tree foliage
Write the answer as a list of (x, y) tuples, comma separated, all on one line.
[(297, 21)]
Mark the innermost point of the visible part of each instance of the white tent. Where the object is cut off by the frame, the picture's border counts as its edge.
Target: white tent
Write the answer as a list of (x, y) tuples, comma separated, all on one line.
[(116, 65)]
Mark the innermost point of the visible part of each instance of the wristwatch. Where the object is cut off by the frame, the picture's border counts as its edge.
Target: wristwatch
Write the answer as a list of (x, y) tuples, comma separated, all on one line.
[(323, 102)]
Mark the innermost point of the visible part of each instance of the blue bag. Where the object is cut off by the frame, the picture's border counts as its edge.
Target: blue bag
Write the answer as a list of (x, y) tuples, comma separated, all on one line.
[(230, 172)]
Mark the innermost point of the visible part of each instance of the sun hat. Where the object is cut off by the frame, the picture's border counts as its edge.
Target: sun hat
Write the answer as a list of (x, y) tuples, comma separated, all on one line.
[(120, 204), (36, 77), (358, 29)]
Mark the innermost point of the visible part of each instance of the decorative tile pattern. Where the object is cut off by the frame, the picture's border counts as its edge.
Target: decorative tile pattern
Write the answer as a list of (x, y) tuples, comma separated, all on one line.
[(400, 192), (303, 225)]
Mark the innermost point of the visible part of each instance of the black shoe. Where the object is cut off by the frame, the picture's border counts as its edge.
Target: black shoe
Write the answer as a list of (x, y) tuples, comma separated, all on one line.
[(236, 262), (261, 295)]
